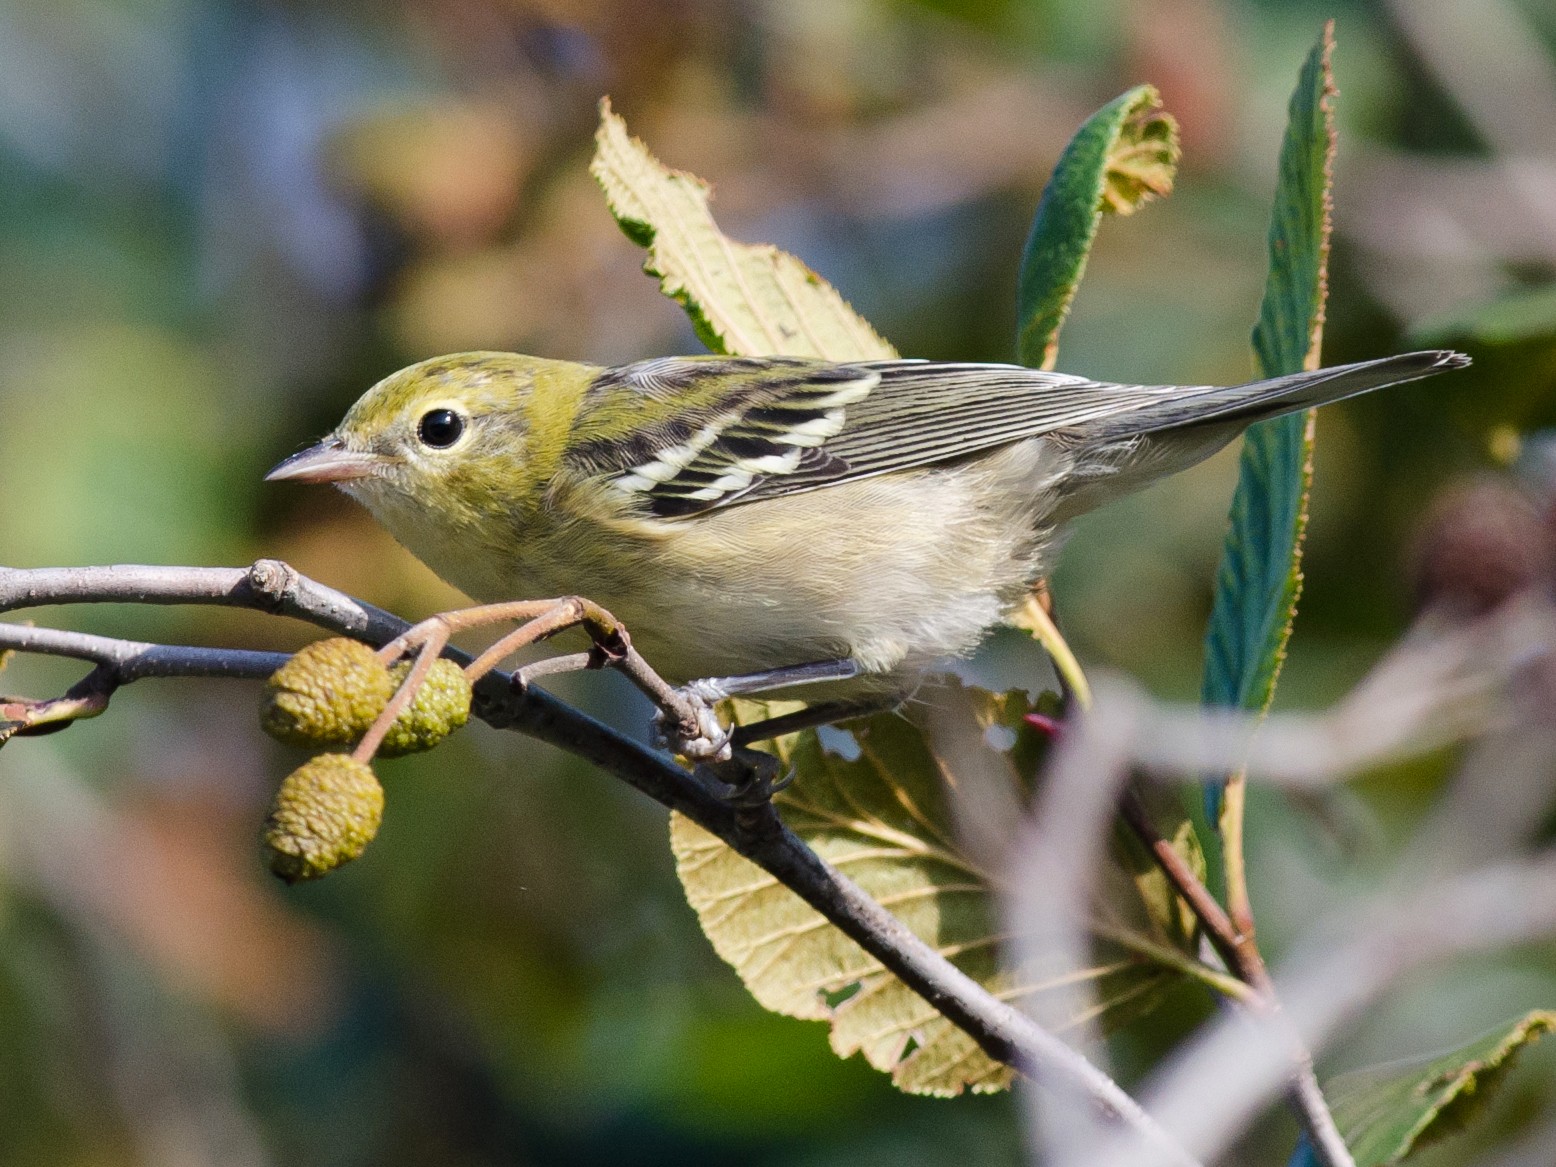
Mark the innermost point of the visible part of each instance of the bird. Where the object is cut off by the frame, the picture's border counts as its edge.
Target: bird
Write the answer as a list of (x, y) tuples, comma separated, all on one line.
[(758, 521)]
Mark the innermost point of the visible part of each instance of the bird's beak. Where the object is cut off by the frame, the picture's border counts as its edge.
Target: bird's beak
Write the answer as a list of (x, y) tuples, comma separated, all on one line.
[(329, 461)]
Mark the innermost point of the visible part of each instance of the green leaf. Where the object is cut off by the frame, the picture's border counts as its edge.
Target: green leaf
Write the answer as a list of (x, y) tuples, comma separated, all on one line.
[(886, 820), (754, 300), (1388, 1113), (1123, 157), (1260, 577)]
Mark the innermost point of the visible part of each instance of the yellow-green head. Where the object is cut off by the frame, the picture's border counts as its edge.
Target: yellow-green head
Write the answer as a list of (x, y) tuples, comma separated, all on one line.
[(454, 433)]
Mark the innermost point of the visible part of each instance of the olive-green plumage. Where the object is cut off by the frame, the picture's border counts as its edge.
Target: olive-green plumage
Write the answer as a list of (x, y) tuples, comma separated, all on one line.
[(744, 514)]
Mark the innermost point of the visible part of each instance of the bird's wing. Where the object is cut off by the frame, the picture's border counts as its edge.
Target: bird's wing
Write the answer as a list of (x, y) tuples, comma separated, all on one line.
[(708, 432), (695, 433)]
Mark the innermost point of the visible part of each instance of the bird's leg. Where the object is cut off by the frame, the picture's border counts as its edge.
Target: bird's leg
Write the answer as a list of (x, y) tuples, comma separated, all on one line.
[(709, 740), (746, 777), (718, 688), (823, 713), (685, 722), (751, 777)]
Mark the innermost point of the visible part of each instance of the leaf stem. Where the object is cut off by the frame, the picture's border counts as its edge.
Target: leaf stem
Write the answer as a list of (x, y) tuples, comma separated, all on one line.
[(1239, 907), (1169, 957), (1035, 618)]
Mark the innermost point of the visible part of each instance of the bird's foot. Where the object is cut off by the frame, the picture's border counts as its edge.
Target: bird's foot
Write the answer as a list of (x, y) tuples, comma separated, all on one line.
[(697, 734), (734, 774), (740, 777), (748, 780)]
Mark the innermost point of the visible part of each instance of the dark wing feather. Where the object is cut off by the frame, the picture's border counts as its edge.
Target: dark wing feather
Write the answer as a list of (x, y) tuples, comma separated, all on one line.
[(925, 412), (748, 429), (706, 430)]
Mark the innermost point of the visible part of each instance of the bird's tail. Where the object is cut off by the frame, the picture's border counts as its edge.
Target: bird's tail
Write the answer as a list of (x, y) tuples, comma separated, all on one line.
[(1259, 400)]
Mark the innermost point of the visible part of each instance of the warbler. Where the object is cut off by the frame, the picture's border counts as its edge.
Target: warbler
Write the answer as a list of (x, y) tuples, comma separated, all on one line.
[(774, 516)]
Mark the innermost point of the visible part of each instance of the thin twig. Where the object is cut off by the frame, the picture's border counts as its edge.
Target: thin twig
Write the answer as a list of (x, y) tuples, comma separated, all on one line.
[(88, 697), (575, 662), (1312, 1108), (1330, 978), (1211, 915), (426, 656), (1238, 946), (1304, 1093), (560, 617), (1241, 952)]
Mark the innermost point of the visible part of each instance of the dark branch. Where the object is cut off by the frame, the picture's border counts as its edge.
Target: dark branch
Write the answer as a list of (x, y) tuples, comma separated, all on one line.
[(1004, 1032), (131, 660)]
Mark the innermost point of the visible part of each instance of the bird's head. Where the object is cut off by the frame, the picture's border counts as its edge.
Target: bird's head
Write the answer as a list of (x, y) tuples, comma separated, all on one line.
[(447, 435)]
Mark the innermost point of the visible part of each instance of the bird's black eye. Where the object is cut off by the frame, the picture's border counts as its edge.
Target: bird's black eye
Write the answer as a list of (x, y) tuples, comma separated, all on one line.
[(440, 428)]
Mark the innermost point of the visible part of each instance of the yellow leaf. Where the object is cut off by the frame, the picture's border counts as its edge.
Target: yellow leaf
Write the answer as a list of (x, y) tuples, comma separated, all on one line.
[(747, 299), (886, 819)]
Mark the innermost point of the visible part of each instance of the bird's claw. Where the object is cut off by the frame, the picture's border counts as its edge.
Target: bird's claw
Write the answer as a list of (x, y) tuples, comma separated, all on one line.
[(743, 780), (704, 740), (756, 778)]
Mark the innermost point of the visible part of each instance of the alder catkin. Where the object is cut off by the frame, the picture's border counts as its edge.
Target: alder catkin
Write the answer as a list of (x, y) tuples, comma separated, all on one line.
[(326, 813), (327, 694), (440, 706)]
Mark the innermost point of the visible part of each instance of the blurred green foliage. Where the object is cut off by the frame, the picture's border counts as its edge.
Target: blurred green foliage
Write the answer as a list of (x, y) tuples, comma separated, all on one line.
[(219, 222)]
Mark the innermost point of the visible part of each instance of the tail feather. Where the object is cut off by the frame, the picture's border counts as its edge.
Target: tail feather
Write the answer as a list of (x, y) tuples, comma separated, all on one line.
[(1260, 400)]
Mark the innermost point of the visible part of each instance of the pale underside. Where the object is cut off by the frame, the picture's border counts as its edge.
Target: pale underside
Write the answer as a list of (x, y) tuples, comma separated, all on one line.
[(894, 572)]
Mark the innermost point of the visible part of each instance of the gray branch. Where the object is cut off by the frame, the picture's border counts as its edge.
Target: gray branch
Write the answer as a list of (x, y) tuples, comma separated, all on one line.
[(1001, 1030), (131, 660)]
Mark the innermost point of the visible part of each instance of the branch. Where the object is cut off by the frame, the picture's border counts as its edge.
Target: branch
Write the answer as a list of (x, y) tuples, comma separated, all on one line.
[(132, 660), (1004, 1032)]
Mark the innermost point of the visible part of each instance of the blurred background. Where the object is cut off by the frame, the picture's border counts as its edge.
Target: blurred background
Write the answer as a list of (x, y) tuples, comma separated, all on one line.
[(221, 221)]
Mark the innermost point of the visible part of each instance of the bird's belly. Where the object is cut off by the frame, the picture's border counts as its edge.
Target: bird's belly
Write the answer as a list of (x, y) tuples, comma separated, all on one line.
[(893, 573), (700, 622)]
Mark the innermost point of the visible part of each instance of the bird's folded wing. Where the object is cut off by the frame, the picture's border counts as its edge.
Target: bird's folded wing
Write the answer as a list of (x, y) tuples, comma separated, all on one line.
[(715, 431)]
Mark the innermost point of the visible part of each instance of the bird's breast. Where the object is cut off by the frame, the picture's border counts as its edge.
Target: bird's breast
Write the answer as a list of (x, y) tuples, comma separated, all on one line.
[(893, 572)]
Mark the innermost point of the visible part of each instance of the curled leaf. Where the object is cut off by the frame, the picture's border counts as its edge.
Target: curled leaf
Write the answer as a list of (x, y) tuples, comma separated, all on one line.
[(326, 813), (1124, 156), (1143, 160), (750, 299)]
